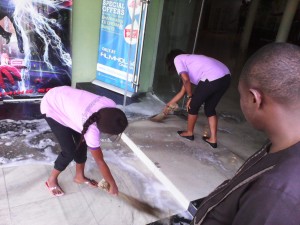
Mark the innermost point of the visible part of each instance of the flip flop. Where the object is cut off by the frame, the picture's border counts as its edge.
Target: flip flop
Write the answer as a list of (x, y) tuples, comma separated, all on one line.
[(89, 182), (54, 188)]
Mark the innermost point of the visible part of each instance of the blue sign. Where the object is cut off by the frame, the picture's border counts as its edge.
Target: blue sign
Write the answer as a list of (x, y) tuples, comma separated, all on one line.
[(120, 36)]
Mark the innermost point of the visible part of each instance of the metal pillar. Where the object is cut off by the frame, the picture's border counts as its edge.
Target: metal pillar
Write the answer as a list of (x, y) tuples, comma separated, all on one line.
[(198, 26), (286, 21), (249, 25)]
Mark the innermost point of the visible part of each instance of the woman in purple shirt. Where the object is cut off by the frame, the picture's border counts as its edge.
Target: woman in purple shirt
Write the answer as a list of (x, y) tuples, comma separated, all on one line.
[(212, 79), (78, 119)]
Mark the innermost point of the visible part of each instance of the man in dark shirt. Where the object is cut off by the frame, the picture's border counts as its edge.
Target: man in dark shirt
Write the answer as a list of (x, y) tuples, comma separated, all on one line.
[(266, 189)]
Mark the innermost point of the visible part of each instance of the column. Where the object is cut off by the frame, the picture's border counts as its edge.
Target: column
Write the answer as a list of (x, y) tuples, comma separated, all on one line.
[(287, 20), (249, 25)]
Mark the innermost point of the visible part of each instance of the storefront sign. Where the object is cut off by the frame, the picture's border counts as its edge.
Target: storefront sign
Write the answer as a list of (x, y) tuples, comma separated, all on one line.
[(120, 44)]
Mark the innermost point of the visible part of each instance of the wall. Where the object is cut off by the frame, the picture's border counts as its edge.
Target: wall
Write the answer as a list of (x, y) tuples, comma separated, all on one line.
[(85, 38)]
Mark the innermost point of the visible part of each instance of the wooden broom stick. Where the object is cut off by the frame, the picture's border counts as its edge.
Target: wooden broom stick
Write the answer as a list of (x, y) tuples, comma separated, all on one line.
[(132, 201), (161, 116)]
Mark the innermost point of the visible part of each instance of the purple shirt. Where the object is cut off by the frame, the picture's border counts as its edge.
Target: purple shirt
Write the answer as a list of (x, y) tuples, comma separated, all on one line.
[(200, 67), (72, 107)]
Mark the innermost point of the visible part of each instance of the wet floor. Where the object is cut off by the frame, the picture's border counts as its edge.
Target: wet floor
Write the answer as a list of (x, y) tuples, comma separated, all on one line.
[(151, 162)]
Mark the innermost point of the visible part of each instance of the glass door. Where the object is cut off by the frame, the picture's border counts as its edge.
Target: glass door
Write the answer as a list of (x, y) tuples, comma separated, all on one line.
[(218, 29)]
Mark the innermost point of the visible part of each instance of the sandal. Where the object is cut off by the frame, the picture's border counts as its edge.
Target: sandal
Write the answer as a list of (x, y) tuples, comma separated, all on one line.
[(57, 188), (214, 145), (191, 137)]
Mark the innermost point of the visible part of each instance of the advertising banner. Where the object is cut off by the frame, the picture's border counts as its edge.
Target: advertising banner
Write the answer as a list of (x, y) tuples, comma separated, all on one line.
[(120, 44), (34, 47)]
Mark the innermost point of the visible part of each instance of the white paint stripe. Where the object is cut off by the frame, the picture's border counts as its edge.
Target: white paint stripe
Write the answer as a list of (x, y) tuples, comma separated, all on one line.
[(182, 200), (29, 99)]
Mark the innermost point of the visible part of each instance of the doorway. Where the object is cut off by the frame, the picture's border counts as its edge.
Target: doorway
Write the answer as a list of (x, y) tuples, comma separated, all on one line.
[(218, 34), (202, 27)]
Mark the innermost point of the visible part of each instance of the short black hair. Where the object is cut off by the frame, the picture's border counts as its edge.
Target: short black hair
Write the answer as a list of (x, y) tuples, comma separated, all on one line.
[(171, 56), (275, 70)]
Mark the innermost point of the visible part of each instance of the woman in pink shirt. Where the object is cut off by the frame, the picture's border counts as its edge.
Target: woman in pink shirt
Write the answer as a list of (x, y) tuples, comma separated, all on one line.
[(78, 119), (211, 78)]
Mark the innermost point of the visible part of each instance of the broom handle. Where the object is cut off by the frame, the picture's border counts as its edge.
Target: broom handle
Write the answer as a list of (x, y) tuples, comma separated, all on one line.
[(124, 196), (104, 185)]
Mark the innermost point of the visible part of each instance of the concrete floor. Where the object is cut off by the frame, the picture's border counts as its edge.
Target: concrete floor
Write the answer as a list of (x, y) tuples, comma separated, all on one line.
[(151, 162), (26, 200)]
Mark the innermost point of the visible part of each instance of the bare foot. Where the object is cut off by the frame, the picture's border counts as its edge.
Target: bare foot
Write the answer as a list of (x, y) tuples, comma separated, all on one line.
[(185, 133), (211, 140), (87, 181)]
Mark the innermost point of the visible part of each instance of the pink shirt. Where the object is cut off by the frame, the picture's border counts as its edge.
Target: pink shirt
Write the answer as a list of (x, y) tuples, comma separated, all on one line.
[(200, 67), (72, 107)]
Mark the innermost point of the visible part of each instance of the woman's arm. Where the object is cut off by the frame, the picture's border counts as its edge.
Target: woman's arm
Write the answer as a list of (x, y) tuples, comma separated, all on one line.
[(174, 100), (104, 170), (186, 88), (186, 83)]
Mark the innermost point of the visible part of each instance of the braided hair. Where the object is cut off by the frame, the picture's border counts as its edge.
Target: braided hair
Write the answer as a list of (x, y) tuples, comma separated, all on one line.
[(108, 120)]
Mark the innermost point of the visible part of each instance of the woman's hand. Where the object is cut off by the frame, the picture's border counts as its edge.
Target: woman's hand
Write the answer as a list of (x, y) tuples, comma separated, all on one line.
[(166, 110), (113, 189), (104, 169), (188, 102)]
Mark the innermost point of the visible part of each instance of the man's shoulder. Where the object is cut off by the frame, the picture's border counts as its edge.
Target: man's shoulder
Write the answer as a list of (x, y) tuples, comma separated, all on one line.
[(284, 177), (289, 160)]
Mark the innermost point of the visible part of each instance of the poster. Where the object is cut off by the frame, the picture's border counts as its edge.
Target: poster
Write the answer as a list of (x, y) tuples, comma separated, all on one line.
[(121, 37), (34, 47)]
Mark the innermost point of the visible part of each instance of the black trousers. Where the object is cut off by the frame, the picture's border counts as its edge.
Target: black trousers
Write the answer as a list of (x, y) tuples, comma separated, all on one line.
[(210, 94), (68, 140)]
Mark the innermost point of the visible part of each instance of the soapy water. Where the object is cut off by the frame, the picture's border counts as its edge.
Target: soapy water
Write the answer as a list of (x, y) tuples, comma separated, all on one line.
[(127, 167), (26, 142)]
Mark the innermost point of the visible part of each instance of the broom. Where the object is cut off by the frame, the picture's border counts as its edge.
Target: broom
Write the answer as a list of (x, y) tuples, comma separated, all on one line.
[(132, 201), (161, 116)]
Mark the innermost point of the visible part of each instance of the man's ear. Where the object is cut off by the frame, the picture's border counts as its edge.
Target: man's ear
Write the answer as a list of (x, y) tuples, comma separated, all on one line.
[(257, 97)]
